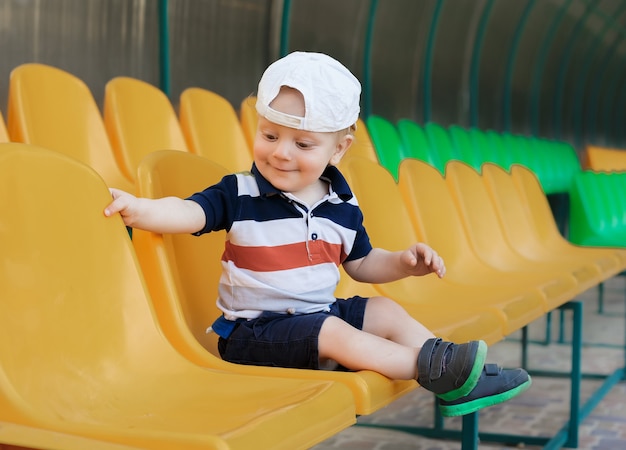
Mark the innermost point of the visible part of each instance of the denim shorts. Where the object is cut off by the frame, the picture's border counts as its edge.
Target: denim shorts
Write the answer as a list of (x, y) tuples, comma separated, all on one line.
[(283, 340)]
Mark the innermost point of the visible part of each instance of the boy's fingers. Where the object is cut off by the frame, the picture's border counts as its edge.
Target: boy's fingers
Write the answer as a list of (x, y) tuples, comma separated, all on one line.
[(112, 207)]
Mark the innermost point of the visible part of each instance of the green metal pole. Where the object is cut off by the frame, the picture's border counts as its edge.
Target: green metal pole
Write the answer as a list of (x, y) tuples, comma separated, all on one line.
[(576, 380), (601, 74), (469, 440), (535, 90), (609, 103), (285, 28), (367, 60), (583, 74), (620, 118), (508, 77), (164, 48), (475, 67), (428, 61), (557, 109)]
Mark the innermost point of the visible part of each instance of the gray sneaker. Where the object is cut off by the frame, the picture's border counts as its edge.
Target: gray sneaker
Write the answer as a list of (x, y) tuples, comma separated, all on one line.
[(495, 385), (450, 370)]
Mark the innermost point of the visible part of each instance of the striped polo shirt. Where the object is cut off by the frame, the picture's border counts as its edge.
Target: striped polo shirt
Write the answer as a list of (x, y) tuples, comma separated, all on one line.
[(279, 254)]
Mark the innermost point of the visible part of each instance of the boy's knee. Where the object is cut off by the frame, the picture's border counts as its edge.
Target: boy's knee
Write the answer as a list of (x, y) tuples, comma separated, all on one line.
[(382, 305)]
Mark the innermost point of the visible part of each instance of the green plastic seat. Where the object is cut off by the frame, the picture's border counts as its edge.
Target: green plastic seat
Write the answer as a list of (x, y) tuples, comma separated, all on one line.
[(416, 143), (441, 143), (517, 150), (486, 150), (597, 209), (387, 143), (468, 153), (502, 155)]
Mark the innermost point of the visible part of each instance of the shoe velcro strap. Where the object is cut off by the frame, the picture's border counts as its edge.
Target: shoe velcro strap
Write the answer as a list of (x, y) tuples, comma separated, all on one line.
[(437, 365), (425, 356), (492, 369)]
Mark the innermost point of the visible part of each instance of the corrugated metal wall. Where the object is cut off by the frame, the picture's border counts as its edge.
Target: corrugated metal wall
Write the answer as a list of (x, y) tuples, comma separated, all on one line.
[(552, 68)]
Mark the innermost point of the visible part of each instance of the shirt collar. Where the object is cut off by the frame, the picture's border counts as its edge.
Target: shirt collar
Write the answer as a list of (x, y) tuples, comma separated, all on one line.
[(338, 183)]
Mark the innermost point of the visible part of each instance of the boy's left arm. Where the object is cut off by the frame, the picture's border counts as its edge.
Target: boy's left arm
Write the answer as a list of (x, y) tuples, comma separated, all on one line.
[(383, 266)]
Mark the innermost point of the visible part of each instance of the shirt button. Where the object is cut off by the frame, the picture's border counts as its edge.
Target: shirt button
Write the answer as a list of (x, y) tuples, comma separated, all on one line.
[(291, 311), (314, 236)]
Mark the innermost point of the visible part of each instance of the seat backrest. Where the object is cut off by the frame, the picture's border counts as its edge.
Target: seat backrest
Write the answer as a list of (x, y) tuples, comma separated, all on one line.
[(510, 208), (52, 108), (503, 155), (4, 135), (434, 213), (387, 143), (462, 141), (380, 200), (563, 164), (249, 119), (139, 119), (517, 150), (212, 129), (598, 209), (416, 144), (485, 148), (472, 195), (440, 143), (87, 316), (363, 146), (603, 159), (182, 271), (536, 222)]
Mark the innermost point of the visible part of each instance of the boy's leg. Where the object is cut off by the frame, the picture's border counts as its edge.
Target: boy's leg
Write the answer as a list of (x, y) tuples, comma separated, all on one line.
[(447, 369), (386, 318), (359, 350), (456, 373)]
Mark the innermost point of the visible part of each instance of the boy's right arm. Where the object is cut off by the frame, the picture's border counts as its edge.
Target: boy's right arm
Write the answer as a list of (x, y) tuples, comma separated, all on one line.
[(163, 215)]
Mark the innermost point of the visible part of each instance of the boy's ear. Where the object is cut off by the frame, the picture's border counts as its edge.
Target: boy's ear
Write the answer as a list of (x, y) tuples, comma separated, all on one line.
[(342, 147)]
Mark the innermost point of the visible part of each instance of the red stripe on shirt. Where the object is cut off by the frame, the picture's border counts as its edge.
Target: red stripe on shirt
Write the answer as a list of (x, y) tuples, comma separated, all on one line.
[(282, 257)]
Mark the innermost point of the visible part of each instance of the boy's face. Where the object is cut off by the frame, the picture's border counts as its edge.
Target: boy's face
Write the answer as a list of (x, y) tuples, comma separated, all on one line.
[(293, 160)]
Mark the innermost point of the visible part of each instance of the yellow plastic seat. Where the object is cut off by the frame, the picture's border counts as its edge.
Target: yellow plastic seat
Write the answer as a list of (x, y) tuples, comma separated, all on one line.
[(20, 437), (499, 309), (139, 119), (438, 222), (81, 351), (363, 146), (485, 237), (249, 119), (533, 232), (603, 159), (454, 324), (182, 274), (52, 108), (4, 135), (212, 129)]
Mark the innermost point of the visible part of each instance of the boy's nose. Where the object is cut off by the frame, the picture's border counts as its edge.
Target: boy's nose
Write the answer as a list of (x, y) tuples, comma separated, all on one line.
[(282, 150)]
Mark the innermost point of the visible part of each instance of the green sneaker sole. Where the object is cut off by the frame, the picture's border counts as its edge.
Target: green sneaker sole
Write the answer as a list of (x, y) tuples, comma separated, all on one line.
[(475, 405), (471, 381)]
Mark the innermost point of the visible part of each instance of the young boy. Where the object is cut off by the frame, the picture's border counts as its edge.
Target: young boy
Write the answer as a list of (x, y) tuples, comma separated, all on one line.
[(291, 222)]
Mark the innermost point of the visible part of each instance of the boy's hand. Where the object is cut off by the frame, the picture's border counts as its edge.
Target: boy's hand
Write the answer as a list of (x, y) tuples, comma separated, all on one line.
[(420, 259), (122, 203)]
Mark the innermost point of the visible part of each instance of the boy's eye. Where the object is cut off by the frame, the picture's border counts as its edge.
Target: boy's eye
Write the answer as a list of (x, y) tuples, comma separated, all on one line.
[(303, 145), (270, 136)]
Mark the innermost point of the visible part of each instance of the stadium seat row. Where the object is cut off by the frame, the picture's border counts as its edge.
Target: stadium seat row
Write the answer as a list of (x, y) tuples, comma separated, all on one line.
[(110, 322), (597, 213)]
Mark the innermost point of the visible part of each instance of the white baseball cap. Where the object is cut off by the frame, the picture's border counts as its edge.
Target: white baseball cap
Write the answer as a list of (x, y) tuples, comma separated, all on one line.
[(331, 93)]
